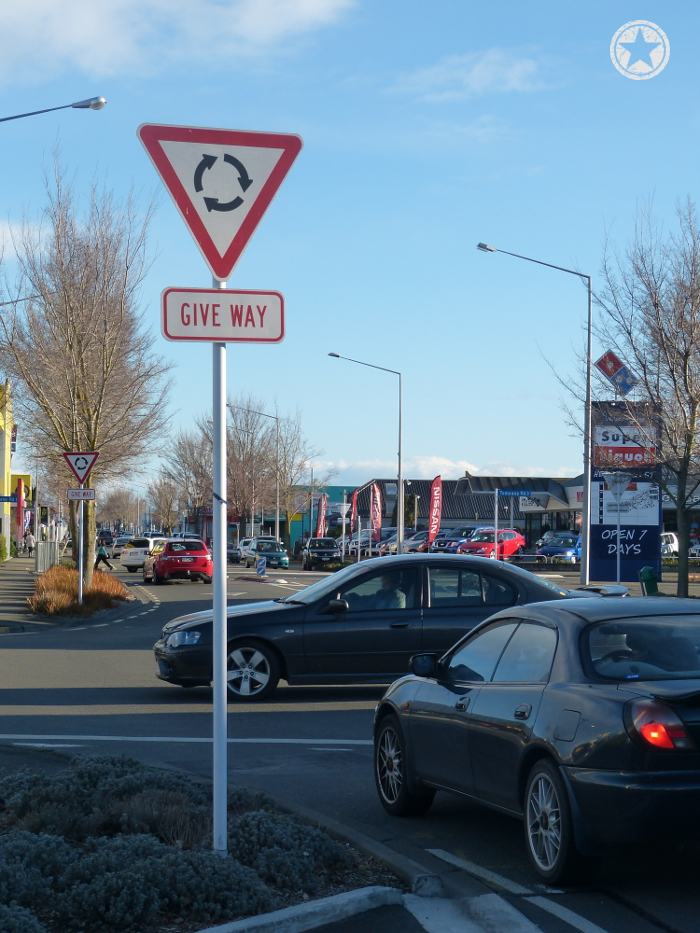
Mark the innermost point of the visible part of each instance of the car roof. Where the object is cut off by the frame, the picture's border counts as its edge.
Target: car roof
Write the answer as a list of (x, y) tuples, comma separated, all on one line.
[(582, 611)]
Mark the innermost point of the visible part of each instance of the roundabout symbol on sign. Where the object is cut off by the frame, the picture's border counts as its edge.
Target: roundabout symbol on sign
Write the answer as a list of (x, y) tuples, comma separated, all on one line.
[(213, 204), (640, 50)]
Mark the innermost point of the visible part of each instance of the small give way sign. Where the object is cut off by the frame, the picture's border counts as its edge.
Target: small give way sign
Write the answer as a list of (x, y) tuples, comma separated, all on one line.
[(222, 315), (81, 495)]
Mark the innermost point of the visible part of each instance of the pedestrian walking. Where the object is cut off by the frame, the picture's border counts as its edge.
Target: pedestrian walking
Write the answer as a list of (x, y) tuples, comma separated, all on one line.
[(30, 541), (102, 556)]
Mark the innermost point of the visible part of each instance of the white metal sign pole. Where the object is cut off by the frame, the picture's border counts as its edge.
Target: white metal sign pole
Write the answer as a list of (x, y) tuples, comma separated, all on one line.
[(220, 763), (80, 550), (495, 525)]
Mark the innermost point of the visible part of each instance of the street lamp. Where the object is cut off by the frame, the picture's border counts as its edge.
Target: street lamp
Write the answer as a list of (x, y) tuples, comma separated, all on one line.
[(399, 500), (586, 507), (277, 463), (93, 103)]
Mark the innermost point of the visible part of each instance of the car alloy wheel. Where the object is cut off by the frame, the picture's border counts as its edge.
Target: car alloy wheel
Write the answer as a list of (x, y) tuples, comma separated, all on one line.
[(391, 773), (253, 671), (549, 828)]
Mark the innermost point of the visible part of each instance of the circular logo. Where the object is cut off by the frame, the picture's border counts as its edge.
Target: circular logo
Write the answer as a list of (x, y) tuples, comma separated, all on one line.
[(640, 50)]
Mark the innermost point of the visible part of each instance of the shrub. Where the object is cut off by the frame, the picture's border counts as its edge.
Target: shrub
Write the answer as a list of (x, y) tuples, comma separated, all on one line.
[(30, 866), (283, 850), (56, 593), (13, 549), (3, 548), (18, 920)]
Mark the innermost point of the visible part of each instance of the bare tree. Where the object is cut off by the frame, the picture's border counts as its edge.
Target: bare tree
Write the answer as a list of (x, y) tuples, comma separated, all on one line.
[(296, 454), (251, 456), (74, 344), (189, 468), (164, 493), (118, 507), (651, 305)]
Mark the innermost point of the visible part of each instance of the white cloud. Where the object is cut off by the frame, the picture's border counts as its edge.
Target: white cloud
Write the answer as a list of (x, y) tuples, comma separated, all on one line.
[(427, 467), (39, 38), (459, 77)]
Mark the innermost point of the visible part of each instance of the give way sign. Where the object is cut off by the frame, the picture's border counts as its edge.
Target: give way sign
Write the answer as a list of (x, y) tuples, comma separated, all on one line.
[(81, 463), (222, 182)]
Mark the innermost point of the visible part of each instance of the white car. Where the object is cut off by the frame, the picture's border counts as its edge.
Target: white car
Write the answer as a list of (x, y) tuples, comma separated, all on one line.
[(119, 543), (135, 550)]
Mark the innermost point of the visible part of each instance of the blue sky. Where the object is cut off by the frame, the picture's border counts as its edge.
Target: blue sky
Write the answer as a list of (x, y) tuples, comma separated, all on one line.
[(427, 128)]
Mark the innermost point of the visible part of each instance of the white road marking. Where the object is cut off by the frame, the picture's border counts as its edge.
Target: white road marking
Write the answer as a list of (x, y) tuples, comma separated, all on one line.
[(174, 739), (330, 749), (493, 912), (568, 916), (47, 745), (473, 869), (100, 625)]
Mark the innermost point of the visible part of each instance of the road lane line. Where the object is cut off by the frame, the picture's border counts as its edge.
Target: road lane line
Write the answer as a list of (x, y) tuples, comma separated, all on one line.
[(568, 916), (473, 869), (18, 738)]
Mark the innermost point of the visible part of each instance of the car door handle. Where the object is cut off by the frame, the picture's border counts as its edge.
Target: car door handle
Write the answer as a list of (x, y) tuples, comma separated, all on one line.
[(523, 711), (399, 624), (462, 703)]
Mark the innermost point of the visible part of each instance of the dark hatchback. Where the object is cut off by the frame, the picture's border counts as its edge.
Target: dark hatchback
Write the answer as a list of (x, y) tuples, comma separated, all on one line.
[(360, 625), (580, 717), (319, 551)]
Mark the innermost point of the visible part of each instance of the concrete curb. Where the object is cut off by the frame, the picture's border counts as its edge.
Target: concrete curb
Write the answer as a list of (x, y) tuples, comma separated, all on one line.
[(313, 914), (418, 879)]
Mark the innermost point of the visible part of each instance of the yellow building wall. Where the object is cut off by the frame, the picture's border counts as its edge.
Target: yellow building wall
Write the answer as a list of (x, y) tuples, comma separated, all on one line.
[(6, 424)]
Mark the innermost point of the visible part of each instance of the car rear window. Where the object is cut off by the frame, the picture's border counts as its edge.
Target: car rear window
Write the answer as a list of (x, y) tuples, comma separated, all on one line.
[(647, 648), (177, 547), (139, 542)]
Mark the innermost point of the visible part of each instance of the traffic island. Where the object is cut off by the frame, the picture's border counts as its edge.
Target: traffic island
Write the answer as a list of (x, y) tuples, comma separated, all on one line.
[(56, 594), (110, 843)]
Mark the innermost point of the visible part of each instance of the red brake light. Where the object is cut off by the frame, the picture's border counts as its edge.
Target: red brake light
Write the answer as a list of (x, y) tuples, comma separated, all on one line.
[(657, 725)]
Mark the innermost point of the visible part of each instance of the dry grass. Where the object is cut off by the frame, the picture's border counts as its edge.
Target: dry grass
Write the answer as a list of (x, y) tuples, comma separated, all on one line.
[(56, 593)]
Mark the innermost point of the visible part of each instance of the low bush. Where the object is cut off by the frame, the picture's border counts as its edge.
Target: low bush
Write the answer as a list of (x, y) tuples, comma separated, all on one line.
[(3, 548), (18, 920), (56, 593)]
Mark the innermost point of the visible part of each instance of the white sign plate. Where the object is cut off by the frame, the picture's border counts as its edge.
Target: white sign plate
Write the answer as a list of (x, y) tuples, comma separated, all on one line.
[(78, 494), (220, 315), (81, 463)]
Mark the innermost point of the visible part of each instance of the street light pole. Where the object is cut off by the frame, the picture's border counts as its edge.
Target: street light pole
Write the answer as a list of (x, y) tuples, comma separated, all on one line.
[(399, 499), (92, 103), (587, 416)]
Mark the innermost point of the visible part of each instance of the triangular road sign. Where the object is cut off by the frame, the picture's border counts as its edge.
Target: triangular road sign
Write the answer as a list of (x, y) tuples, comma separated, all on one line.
[(81, 463), (222, 182)]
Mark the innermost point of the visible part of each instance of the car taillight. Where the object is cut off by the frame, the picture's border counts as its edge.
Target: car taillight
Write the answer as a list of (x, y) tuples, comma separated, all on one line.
[(654, 724)]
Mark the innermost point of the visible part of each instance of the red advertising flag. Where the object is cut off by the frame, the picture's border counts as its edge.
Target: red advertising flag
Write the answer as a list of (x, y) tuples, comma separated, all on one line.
[(435, 513), (353, 512), (321, 516), (376, 513)]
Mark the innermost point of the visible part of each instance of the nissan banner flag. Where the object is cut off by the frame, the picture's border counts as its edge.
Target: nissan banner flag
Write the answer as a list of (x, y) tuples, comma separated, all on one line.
[(353, 512), (376, 513), (435, 513), (321, 516)]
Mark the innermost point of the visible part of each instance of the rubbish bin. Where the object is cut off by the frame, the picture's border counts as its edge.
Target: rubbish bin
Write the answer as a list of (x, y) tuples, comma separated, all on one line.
[(649, 580)]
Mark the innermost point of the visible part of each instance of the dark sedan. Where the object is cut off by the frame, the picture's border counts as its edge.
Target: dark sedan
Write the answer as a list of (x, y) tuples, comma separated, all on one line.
[(580, 717), (360, 625), (319, 551)]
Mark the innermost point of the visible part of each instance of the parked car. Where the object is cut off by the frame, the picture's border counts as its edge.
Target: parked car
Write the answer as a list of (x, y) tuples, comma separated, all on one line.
[(510, 544), (178, 559), (579, 717), (319, 551), (359, 625), (270, 549), (449, 544), (119, 543), (546, 538), (135, 550), (243, 546), (233, 553), (562, 547), (425, 545)]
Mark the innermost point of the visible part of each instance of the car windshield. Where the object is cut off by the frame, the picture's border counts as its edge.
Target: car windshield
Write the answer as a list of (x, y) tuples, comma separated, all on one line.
[(647, 648), (563, 541), (322, 543), (483, 536)]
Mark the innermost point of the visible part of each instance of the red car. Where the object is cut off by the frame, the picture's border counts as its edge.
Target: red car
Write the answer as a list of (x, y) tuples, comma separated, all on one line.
[(510, 543), (178, 560)]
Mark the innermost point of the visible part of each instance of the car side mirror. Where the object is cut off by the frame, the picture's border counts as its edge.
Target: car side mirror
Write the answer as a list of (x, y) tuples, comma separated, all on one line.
[(334, 606), (424, 665)]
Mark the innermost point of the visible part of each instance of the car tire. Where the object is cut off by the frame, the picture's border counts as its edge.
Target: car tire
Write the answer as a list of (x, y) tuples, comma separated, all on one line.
[(253, 671), (156, 579), (549, 831), (132, 569), (206, 579), (391, 773), (520, 553), (146, 579)]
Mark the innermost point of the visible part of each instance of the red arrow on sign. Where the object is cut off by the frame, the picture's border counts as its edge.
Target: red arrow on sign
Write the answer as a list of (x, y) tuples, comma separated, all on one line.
[(222, 182), (81, 463)]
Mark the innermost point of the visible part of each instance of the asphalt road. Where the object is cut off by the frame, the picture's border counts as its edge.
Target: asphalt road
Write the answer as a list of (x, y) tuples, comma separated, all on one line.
[(91, 688)]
